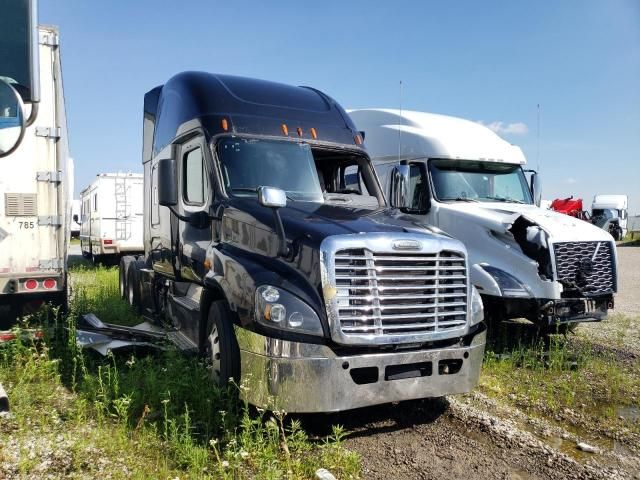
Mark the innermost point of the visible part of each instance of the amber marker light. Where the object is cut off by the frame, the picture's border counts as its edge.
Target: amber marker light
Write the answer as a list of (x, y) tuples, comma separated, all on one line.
[(358, 139), (285, 130), (224, 124), (299, 130), (314, 134)]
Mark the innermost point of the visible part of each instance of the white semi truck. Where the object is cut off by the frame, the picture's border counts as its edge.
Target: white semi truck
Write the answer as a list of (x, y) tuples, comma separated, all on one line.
[(111, 215), (36, 184), (461, 177), (609, 212)]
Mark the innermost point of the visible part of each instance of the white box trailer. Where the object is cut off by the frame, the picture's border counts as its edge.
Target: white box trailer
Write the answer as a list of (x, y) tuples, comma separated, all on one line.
[(111, 216), (75, 218), (36, 188)]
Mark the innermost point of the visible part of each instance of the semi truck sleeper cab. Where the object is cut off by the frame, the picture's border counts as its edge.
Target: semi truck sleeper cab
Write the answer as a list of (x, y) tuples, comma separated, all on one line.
[(264, 255)]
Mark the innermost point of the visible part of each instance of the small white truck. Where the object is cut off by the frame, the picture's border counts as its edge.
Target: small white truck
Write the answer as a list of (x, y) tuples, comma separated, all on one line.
[(36, 183), (111, 215), (460, 177), (609, 212)]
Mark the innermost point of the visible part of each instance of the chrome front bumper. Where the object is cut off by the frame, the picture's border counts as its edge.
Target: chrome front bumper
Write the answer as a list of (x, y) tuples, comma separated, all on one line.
[(306, 378)]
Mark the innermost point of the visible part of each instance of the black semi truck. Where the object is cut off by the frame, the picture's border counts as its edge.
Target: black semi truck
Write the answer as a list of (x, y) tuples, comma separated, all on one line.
[(271, 250)]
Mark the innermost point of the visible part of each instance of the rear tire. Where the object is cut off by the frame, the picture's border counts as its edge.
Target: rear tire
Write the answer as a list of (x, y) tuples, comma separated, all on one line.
[(133, 288), (221, 346), (123, 270)]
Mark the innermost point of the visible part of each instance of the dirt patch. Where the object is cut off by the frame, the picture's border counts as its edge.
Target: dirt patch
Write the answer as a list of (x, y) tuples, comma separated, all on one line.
[(434, 439)]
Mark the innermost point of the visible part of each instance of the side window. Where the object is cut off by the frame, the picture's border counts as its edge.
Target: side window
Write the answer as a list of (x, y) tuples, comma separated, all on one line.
[(418, 186), (193, 177), (352, 178), (507, 186), (95, 202), (155, 206)]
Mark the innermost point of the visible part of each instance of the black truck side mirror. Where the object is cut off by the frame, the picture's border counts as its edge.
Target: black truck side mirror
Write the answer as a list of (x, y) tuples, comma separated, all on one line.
[(167, 183), (75, 218)]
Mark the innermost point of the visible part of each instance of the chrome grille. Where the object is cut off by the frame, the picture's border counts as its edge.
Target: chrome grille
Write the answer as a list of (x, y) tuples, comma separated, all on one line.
[(586, 266), (400, 293)]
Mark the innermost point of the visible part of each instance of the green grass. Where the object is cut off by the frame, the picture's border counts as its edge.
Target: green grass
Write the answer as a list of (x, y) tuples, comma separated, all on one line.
[(95, 290), (566, 376), (79, 415)]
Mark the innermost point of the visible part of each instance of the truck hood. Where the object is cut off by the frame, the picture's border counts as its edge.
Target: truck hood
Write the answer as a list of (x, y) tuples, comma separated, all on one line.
[(315, 222), (500, 216)]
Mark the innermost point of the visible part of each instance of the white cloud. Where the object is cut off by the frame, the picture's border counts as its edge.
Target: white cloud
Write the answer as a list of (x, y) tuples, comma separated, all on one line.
[(502, 128), (571, 180)]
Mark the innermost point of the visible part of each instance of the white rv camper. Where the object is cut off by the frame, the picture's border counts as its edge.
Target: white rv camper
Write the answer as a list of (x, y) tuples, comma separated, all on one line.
[(36, 185), (461, 177), (111, 216), (75, 218), (609, 212)]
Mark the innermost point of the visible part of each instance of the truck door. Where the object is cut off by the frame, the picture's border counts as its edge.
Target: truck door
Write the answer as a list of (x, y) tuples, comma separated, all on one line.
[(194, 168)]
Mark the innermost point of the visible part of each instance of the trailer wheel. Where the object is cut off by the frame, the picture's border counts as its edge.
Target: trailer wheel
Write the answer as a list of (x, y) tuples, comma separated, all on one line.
[(220, 346)]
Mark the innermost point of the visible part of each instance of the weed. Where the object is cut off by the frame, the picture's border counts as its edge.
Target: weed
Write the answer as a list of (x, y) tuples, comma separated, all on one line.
[(565, 379), (154, 416)]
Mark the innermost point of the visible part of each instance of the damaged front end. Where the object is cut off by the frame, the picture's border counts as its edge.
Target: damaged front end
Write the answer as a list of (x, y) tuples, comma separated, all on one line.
[(575, 280)]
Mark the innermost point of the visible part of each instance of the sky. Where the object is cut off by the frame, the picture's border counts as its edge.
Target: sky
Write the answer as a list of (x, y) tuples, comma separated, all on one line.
[(489, 61)]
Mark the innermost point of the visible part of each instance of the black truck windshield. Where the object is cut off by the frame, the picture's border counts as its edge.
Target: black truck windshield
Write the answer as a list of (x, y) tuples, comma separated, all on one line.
[(249, 163), (463, 180)]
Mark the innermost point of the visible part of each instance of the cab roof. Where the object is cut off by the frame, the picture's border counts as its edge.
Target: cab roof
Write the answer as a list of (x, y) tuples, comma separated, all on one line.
[(248, 105), (429, 135)]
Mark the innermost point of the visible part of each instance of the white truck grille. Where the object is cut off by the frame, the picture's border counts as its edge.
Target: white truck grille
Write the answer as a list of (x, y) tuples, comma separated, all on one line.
[(586, 266), (391, 294)]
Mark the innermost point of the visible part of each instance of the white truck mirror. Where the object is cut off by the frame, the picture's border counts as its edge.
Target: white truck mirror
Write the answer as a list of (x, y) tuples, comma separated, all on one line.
[(12, 118), (536, 188), (400, 186)]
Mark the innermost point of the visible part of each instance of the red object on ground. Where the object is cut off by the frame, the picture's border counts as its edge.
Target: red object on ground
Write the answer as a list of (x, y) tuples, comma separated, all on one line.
[(569, 206)]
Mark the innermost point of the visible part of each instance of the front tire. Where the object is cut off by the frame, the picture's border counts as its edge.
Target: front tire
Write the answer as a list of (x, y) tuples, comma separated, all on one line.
[(220, 345)]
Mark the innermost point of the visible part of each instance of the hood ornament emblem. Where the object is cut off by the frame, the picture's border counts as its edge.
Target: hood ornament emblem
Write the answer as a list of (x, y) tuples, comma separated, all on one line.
[(406, 245)]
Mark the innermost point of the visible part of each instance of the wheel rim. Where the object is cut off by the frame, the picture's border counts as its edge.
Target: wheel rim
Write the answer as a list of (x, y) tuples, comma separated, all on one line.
[(121, 284), (213, 354)]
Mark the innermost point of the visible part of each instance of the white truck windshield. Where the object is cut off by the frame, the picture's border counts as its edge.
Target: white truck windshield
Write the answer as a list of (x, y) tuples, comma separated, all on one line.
[(249, 163), (463, 180)]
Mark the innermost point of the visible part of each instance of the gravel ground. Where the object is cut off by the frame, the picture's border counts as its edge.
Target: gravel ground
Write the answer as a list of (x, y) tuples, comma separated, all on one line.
[(455, 438), (628, 297), (464, 436), (621, 331)]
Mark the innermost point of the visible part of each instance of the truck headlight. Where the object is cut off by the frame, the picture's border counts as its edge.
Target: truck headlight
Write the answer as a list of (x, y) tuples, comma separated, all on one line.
[(509, 285), (277, 308), (477, 308)]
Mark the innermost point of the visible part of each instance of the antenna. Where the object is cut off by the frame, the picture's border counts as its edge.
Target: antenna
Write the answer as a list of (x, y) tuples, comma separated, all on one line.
[(399, 126), (538, 139)]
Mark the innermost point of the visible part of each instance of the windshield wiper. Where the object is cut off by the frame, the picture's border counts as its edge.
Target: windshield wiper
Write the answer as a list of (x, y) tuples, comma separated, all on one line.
[(504, 199), (243, 189), (460, 199), (255, 190)]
